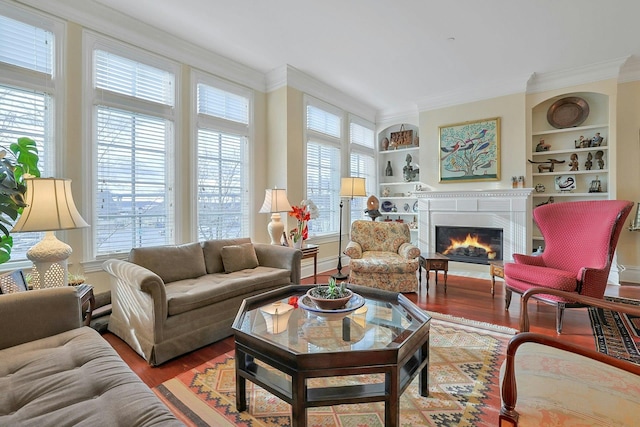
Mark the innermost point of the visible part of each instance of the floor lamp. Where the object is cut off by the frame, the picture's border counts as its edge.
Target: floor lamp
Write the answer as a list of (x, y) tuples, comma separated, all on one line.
[(50, 207), (349, 188), (275, 201)]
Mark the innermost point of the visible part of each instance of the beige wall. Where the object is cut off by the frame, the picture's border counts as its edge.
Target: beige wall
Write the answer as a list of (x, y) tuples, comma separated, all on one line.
[(511, 111), (628, 173)]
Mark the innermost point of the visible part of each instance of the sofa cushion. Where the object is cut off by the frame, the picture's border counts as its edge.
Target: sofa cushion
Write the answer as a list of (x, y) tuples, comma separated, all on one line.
[(187, 295), (171, 263), (238, 257), (74, 378), (212, 252)]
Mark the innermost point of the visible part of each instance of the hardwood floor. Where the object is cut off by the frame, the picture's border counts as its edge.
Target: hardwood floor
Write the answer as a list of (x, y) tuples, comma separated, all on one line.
[(465, 297)]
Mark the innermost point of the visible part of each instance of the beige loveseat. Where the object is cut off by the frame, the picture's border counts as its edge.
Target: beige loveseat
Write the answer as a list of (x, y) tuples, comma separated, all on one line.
[(169, 300), (55, 372)]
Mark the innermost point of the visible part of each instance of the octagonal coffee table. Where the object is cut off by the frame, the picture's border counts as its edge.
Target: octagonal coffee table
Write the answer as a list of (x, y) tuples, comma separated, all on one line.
[(378, 349)]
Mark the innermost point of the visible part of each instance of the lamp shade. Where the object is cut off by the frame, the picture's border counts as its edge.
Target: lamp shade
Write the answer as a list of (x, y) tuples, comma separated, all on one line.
[(50, 207), (275, 200), (353, 187)]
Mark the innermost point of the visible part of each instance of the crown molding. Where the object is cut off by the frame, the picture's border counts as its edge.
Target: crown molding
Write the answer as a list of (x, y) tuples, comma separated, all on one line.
[(470, 94), (97, 17), (409, 114), (287, 75), (595, 72)]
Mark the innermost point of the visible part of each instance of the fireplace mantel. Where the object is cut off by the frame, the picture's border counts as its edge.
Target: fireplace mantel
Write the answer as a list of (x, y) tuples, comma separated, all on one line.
[(509, 209)]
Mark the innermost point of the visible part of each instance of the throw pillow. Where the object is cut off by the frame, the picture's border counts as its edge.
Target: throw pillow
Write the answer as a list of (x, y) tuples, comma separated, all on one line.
[(239, 257)]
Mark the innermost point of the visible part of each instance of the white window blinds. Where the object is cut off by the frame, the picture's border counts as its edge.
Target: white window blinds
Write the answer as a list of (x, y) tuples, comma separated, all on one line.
[(323, 185), (26, 46), (362, 164), (27, 93), (223, 163), (134, 146)]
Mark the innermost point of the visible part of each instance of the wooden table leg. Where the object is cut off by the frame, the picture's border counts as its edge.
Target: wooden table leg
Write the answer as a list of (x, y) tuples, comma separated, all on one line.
[(241, 382), (392, 406), (298, 409)]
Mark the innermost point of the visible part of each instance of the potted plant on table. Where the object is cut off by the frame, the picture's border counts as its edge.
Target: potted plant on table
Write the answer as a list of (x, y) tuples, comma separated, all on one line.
[(331, 296)]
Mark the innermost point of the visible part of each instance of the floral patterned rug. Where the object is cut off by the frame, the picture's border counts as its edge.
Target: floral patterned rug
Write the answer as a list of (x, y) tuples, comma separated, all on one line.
[(465, 359)]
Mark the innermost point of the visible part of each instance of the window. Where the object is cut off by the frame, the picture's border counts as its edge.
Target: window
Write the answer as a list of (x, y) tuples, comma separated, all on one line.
[(222, 156), (361, 163), (133, 137), (29, 52), (324, 143)]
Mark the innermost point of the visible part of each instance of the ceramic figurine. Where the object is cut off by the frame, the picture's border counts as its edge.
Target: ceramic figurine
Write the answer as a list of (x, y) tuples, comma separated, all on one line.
[(596, 141), (588, 164), (542, 146), (599, 159), (385, 144), (574, 162)]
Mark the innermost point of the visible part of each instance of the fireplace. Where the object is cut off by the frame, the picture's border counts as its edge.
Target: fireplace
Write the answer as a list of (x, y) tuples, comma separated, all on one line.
[(475, 245), (508, 210)]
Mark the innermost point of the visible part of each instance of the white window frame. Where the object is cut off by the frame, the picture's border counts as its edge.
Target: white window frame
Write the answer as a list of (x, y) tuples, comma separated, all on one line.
[(371, 177), (53, 85), (94, 97), (341, 144), (200, 121)]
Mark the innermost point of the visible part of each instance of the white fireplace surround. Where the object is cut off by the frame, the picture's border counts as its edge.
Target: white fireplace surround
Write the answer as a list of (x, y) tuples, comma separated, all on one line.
[(508, 209)]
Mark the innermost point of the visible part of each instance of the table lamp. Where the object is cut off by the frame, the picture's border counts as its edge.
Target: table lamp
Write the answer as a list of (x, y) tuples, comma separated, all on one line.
[(50, 207), (275, 201), (349, 187)]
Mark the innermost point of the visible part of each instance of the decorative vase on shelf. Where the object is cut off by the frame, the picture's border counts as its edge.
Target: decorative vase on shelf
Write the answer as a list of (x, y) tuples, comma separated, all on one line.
[(388, 171)]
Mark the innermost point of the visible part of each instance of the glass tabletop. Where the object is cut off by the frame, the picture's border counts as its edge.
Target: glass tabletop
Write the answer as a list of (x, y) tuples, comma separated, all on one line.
[(374, 325)]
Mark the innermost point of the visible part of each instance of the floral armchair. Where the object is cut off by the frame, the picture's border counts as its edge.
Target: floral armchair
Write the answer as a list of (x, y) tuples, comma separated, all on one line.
[(382, 256)]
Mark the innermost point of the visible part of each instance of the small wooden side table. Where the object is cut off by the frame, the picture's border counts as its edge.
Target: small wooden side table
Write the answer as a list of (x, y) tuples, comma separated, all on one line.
[(85, 293), (433, 261), (311, 251), (496, 270)]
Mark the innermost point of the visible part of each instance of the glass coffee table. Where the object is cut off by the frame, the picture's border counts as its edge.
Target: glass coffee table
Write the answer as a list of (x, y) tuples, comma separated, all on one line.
[(377, 348)]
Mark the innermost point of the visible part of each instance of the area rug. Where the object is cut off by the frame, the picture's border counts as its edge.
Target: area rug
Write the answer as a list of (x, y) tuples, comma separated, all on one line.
[(616, 334), (465, 359)]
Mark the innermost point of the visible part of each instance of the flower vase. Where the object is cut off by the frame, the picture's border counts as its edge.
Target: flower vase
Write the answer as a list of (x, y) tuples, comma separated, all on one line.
[(298, 244)]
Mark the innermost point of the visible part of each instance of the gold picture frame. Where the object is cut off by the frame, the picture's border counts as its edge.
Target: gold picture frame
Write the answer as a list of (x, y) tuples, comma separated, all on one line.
[(470, 151)]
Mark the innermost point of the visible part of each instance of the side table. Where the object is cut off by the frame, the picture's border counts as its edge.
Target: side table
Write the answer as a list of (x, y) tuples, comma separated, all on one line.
[(311, 251), (433, 261), (496, 269), (85, 293)]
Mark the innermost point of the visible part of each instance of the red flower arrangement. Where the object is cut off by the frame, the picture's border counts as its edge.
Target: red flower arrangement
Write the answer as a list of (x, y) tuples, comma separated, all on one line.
[(302, 215)]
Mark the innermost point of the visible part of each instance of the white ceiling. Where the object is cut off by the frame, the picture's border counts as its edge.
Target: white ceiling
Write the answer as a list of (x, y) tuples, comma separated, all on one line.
[(395, 55)]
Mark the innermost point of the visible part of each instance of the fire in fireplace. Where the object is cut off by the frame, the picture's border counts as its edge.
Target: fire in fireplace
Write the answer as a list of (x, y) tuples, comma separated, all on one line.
[(476, 245)]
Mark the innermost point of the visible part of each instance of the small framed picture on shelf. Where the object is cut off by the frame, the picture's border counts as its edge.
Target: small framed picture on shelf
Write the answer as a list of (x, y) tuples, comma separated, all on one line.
[(565, 183), (470, 151)]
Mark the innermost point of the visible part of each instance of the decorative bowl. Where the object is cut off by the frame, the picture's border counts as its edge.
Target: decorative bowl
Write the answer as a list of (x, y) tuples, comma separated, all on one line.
[(305, 303), (329, 304)]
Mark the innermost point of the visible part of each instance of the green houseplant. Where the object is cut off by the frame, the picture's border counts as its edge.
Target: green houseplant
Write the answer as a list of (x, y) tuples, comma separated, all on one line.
[(331, 296), (20, 161)]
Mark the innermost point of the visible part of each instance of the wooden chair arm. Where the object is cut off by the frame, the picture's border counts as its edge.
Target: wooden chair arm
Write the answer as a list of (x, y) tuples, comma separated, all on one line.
[(508, 389), (580, 299)]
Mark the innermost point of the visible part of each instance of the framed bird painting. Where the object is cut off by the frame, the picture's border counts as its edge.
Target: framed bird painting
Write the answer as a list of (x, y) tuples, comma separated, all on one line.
[(470, 151)]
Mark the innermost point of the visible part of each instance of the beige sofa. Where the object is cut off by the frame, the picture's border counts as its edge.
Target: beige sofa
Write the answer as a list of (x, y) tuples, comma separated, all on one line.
[(54, 372), (169, 300)]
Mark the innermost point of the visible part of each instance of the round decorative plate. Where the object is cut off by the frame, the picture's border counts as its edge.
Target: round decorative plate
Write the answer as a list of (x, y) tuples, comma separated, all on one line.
[(415, 206), (387, 206), (354, 303), (568, 112)]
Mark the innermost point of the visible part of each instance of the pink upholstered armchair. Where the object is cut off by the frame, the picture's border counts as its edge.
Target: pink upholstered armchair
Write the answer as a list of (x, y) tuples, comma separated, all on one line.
[(382, 256), (580, 239)]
